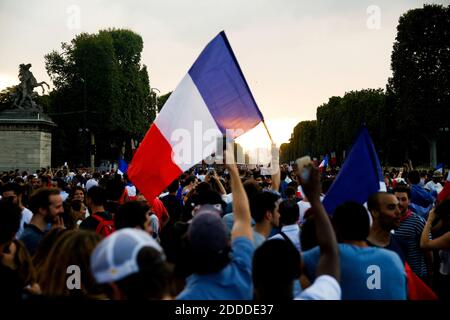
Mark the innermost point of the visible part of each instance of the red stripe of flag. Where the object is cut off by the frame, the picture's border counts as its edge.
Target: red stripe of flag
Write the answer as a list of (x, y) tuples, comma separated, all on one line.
[(152, 168)]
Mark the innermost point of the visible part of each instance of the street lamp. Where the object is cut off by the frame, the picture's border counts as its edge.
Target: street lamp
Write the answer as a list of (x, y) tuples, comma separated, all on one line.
[(156, 99), (92, 137)]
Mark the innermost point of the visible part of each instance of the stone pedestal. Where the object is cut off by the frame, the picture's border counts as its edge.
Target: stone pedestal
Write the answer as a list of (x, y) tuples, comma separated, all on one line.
[(25, 140)]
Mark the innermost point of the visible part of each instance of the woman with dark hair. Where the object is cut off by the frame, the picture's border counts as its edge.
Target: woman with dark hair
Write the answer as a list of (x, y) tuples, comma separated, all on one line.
[(74, 213), (78, 193)]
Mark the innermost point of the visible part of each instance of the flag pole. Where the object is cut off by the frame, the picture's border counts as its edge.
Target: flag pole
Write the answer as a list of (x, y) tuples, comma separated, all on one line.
[(267, 129)]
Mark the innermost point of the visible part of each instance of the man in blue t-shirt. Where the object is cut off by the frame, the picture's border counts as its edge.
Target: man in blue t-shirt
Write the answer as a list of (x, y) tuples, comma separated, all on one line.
[(276, 262), (367, 273), (217, 274)]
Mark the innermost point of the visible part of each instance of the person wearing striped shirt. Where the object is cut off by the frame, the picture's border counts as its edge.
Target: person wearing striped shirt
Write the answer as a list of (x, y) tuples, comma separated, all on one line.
[(409, 232)]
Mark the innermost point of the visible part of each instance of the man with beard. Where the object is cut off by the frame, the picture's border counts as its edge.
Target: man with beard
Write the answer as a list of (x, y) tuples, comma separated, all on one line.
[(14, 192), (385, 212), (409, 232), (47, 207)]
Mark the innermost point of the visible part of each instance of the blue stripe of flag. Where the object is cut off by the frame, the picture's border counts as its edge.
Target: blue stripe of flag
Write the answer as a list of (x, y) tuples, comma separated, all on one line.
[(221, 83)]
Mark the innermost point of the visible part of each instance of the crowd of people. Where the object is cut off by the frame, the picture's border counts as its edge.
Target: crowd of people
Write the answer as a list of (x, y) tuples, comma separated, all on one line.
[(221, 233)]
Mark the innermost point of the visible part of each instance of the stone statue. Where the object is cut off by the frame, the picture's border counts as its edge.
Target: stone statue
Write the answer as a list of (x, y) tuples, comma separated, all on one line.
[(22, 94)]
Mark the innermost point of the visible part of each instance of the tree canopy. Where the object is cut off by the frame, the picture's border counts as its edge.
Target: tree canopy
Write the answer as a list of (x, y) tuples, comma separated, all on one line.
[(101, 86), (410, 116), (420, 83), (337, 123)]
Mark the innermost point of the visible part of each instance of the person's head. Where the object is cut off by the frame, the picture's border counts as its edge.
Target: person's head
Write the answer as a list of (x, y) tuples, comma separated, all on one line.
[(289, 212), (72, 248), (133, 214), (96, 175), (208, 242), (442, 211), (414, 177), (96, 196), (203, 187), (114, 188), (258, 178), (45, 180), (387, 180), (385, 211), (403, 194), (78, 193), (276, 264), (53, 183), (437, 176), (264, 208), (61, 184), (351, 222), (12, 191), (35, 182), (77, 210), (174, 186), (207, 197), (136, 269), (10, 218), (251, 188), (290, 193), (47, 203), (191, 182)]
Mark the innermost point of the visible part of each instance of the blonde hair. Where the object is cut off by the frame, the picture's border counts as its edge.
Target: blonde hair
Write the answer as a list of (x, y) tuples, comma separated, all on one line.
[(73, 247)]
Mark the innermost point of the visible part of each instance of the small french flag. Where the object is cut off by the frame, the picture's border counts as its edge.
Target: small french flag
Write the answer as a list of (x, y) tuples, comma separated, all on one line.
[(123, 167), (324, 162), (440, 168)]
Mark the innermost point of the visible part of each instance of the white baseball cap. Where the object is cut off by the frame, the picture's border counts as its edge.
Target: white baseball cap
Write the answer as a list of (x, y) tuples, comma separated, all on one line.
[(115, 257)]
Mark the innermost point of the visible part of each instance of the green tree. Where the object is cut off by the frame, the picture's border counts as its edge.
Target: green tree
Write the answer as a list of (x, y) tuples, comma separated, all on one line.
[(302, 142), (337, 124), (100, 85), (284, 153), (420, 82)]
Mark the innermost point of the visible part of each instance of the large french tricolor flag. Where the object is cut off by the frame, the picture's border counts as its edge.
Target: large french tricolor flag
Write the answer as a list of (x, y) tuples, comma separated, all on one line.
[(359, 177), (210, 100)]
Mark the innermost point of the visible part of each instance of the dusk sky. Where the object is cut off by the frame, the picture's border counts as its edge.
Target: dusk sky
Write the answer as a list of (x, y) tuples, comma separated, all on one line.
[(294, 54)]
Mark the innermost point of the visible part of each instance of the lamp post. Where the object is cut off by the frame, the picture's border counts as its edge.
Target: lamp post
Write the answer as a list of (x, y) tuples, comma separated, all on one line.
[(92, 137), (156, 99)]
